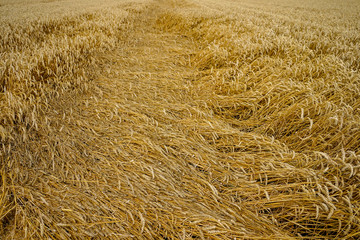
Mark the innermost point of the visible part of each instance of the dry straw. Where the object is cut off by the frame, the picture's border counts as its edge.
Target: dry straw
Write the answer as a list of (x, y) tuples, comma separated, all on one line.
[(181, 120)]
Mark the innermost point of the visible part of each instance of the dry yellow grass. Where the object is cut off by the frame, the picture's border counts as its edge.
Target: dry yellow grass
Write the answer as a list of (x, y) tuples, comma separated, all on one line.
[(180, 119)]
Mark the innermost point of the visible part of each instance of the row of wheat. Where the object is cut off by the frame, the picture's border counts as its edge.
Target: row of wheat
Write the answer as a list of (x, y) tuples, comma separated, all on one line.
[(207, 119), (292, 83), (48, 52)]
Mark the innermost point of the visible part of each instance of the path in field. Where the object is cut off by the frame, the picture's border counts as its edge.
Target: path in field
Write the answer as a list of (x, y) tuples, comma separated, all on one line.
[(144, 156), (159, 146), (146, 144)]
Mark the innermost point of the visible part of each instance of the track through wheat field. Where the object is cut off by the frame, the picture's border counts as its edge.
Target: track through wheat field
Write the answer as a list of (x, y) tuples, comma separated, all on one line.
[(180, 120)]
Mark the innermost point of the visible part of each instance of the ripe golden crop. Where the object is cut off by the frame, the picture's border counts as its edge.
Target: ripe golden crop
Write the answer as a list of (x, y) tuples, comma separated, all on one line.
[(179, 119)]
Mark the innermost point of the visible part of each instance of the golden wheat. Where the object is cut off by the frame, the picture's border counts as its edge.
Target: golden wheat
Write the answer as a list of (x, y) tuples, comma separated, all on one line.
[(179, 119)]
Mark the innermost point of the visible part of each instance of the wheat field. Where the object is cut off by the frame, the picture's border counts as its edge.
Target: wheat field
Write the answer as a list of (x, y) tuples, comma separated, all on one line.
[(179, 119)]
